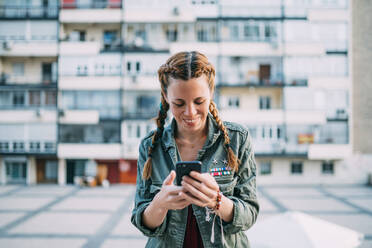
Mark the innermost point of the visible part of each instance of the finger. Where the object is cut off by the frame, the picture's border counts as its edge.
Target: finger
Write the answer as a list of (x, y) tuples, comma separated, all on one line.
[(200, 186), (173, 189), (195, 192), (206, 178), (170, 178), (194, 200)]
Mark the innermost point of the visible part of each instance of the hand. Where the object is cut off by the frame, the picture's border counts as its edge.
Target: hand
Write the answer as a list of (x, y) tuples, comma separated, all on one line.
[(171, 196), (201, 189)]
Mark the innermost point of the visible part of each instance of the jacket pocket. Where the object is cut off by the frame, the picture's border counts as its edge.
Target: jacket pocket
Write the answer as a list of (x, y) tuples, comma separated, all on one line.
[(227, 185)]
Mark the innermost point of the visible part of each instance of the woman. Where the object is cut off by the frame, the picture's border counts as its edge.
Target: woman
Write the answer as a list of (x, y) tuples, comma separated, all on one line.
[(209, 209)]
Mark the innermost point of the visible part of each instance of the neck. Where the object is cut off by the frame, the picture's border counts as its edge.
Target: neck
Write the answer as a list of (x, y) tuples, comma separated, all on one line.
[(192, 137)]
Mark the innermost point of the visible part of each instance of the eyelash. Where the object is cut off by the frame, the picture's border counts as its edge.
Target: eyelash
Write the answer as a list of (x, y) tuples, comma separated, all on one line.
[(180, 105)]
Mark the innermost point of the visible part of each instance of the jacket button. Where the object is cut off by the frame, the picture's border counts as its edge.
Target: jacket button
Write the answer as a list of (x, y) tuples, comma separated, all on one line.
[(173, 232)]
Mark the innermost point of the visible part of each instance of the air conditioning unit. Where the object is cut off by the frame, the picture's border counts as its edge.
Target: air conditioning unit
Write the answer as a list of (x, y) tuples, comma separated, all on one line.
[(7, 45)]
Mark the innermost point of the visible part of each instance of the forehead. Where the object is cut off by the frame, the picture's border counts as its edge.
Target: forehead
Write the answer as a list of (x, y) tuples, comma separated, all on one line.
[(194, 86)]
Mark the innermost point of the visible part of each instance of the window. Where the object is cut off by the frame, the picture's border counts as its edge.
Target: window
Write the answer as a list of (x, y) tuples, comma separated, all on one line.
[(327, 167), (19, 98), (171, 32), (265, 168), (251, 31), (34, 98), (50, 98), (78, 35), (128, 66), (138, 66), (296, 167), (138, 131), (35, 146), (109, 39), (5, 99), (206, 31), (18, 146), (233, 102), (265, 102), (18, 69), (4, 146), (129, 130)]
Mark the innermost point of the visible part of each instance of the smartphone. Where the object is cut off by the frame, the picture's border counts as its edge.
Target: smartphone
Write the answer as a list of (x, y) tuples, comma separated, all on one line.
[(184, 168)]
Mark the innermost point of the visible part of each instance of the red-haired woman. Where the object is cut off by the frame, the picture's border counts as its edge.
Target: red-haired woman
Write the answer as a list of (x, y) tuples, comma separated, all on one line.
[(209, 209)]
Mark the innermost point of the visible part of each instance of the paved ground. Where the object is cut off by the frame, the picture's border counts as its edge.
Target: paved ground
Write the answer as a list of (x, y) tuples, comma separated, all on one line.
[(54, 216)]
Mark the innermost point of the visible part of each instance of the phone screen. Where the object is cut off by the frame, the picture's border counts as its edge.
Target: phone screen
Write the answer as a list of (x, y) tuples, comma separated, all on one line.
[(185, 167)]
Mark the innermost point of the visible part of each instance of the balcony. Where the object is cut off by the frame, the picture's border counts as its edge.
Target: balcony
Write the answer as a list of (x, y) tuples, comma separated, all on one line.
[(304, 49), (92, 151), (78, 116), (274, 116), (27, 147), (94, 82), (228, 79), (36, 115), (328, 14), (91, 12), (28, 12), (29, 48), (159, 14), (79, 48), (141, 82), (254, 11), (330, 83), (329, 151), (130, 149), (46, 81), (141, 113)]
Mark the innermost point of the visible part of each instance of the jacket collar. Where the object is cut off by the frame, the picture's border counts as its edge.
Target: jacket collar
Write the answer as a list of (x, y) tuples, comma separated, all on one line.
[(169, 141)]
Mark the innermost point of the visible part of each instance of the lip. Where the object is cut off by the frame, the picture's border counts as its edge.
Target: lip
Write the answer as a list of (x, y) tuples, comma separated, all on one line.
[(190, 122)]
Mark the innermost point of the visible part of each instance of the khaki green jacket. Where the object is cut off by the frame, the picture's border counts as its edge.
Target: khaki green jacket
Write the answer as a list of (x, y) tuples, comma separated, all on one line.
[(240, 187)]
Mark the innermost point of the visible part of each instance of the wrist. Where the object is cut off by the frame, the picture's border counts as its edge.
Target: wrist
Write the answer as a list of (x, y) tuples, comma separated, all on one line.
[(157, 203)]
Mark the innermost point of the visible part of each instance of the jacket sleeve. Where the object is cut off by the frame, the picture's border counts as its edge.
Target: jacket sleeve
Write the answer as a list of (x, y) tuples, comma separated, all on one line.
[(244, 196), (145, 193)]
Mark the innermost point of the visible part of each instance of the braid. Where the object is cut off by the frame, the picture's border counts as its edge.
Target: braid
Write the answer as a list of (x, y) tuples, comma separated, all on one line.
[(160, 122), (232, 159)]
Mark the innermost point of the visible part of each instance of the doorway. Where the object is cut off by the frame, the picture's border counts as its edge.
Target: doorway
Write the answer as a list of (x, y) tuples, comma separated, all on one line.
[(16, 172), (265, 74)]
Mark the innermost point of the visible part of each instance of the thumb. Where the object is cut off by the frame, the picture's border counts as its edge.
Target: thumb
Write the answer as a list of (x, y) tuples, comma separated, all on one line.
[(170, 178)]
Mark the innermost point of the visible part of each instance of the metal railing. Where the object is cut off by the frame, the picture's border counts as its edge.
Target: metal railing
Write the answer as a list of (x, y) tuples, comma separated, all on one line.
[(16, 12), (93, 5), (28, 146)]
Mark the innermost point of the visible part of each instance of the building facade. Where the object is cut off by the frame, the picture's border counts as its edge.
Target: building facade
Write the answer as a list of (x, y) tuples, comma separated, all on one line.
[(282, 71)]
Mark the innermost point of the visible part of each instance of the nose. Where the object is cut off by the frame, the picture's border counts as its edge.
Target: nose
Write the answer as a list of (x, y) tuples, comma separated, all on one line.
[(190, 110)]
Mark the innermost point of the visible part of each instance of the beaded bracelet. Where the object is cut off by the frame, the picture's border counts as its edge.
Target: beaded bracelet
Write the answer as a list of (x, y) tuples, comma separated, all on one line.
[(218, 201)]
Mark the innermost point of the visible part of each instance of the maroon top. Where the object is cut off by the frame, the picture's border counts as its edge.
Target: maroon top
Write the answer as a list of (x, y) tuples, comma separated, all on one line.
[(192, 236)]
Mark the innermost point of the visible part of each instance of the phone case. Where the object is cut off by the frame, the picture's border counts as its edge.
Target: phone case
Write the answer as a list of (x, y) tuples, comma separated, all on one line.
[(185, 167)]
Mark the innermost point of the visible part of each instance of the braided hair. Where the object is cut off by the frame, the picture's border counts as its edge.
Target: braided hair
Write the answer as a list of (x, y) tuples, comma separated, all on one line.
[(186, 65)]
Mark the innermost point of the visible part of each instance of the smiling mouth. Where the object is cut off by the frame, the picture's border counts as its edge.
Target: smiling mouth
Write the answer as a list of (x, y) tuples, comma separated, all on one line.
[(190, 121)]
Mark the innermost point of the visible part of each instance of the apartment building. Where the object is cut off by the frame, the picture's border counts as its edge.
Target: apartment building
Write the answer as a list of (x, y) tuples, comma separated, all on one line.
[(28, 91), (282, 71)]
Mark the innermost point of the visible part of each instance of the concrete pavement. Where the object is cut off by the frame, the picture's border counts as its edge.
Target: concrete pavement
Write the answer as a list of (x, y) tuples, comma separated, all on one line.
[(55, 216)]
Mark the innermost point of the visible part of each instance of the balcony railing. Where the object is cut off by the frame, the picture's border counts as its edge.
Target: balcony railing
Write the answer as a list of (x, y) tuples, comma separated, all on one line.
[(47, 80), (113, 4), (27, 146), (17, 12)]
